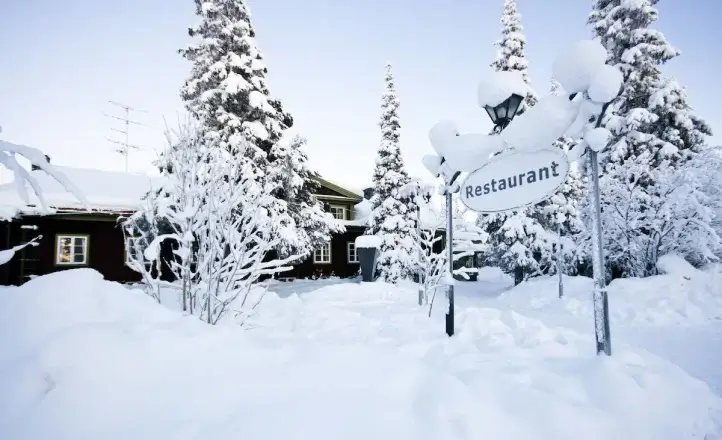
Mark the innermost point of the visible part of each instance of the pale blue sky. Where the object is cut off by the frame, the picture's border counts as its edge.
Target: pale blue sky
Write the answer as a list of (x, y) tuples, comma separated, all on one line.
[(63, 60)]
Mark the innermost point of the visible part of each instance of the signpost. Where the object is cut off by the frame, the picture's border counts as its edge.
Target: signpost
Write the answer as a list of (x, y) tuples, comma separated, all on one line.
[(513, 179), (525, 175)]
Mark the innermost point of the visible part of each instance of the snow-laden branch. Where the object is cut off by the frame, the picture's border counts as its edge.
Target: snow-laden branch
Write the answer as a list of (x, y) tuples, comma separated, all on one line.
[(7, 254), (24, 180)]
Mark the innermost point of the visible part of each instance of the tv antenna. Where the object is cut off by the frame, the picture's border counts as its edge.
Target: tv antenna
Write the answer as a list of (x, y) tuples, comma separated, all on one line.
[(125, 146)]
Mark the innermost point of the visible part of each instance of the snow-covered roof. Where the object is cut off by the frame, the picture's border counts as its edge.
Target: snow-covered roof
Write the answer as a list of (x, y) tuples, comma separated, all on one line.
[(347, 191), (431, 217), (105, 191)]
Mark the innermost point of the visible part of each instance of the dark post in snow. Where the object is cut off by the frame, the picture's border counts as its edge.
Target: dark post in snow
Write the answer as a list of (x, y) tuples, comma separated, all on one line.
[(367, 260), (448, 193), (450, 256), (560, 263)]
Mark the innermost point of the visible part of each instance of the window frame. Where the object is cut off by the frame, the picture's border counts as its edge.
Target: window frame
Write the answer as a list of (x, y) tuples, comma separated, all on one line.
[(126, 254), (317, 253), (73, 237), (350, 245), (343, 209)]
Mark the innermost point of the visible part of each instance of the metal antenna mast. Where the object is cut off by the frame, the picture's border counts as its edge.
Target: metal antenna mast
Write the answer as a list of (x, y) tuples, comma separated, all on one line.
[(125, 145)]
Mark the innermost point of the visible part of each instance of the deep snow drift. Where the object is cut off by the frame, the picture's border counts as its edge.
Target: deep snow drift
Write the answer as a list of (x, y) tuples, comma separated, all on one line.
[(82, 358)]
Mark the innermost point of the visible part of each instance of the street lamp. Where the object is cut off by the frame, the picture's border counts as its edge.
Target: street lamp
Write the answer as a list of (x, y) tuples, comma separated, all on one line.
[(502, 114)]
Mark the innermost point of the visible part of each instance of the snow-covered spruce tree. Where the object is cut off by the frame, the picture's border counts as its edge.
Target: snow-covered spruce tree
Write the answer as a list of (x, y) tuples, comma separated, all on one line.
[(393, 217), (228, 94), (515, 238), (511, 55), (652, 114), (654, 135), (227, 89), (299, 186)]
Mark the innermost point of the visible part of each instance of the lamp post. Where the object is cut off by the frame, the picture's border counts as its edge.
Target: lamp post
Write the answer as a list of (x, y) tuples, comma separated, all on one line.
[(448, 193), (501, 115)]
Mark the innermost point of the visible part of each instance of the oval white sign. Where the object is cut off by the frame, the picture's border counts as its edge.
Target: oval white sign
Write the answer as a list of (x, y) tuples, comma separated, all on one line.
[(515, 179)]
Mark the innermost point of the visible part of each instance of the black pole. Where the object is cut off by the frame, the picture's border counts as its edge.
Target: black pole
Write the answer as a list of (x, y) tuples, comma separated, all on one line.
[(450, 250)]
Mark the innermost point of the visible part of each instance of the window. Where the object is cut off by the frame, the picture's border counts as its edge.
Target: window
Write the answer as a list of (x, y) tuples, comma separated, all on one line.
[(338, 211), (322, 254), (352, 255), (132, 250), (71, 249)]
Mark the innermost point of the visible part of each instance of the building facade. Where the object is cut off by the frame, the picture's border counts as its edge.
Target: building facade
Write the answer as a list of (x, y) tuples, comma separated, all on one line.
[(72, 237)]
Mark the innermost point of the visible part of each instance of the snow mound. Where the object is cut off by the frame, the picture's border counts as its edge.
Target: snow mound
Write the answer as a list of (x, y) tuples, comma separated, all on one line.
[(87, 359), (673, 264), (682, 296), (368, 241)]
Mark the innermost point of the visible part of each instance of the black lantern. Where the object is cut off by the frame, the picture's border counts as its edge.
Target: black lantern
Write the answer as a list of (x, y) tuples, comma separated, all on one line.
[(502, 114)]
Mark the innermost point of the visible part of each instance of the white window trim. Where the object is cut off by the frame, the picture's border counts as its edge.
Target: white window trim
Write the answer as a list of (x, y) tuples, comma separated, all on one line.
[(127, 254), (59, 238), (316, 253), (348, 252), (342, 208)]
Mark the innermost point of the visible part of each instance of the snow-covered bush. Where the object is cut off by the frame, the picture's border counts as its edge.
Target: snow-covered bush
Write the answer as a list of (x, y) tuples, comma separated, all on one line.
[(642, 221), (221, 229), (140, 230)]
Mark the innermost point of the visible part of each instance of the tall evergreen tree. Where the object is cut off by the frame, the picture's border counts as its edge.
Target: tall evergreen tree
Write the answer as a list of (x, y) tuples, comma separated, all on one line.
[(655, 135), (392, 217), (227, 88), (511, 55), (228, 94), (652, 114), (515, 238)]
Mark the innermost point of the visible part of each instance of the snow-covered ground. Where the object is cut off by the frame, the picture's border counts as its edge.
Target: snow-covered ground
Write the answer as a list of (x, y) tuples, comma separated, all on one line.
[(82, 358)]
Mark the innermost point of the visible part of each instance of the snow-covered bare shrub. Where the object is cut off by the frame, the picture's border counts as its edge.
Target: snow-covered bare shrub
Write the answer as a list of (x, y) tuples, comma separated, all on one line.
[(219, 218), (649, 211)]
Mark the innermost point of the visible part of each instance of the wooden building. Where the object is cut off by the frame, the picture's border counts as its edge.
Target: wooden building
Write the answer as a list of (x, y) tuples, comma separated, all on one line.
[(72, 237)]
